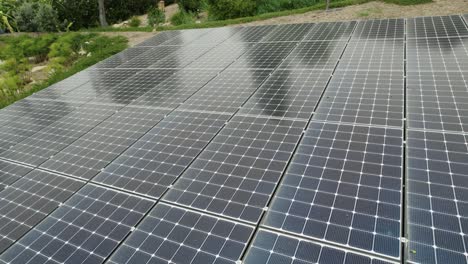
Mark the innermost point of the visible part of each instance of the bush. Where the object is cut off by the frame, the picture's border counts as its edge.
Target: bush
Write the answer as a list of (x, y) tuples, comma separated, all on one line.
[(227, 9), (36, 17), (182, 18), (156, 17), (267, 6), (134, 22), (191, 5)]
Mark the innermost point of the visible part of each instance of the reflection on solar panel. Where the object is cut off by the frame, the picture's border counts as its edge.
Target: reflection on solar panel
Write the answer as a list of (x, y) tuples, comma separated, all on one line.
[(320, 143)]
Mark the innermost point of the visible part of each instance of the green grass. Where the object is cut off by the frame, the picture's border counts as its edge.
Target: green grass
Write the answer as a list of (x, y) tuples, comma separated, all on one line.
[(106, 47), (408, 2)]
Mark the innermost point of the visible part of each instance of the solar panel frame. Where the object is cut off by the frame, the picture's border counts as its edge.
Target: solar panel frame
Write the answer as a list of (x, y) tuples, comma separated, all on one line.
[(84, 229), (171, 234)]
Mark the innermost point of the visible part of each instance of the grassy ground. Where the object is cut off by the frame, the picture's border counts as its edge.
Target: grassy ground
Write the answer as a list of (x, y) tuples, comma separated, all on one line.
[(59, 55)]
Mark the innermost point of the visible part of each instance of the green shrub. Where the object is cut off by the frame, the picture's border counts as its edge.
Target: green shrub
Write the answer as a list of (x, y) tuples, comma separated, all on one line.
[(36, 17), (156, 17), (191, 5), (227, 9), (267, 6), (134, 22), (183, 18)]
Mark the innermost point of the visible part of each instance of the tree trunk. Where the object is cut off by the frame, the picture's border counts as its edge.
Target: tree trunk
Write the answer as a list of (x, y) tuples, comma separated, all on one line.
[(328, 4), (102, 14)]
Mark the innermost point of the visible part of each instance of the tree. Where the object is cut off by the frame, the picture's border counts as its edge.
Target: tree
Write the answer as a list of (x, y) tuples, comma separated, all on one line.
[(328, 4), (102, 14)]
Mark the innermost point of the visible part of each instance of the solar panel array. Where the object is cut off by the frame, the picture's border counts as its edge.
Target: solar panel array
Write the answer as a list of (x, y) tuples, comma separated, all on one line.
[(337, 142)]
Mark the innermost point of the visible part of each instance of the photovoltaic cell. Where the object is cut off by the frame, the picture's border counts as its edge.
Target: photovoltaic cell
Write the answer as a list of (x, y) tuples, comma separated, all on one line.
[(374, 55), (92, 152), (122, 57), (45, 143), (436, 27), (10, 172), (466, 18), (437, 54), (251, 34), (85, 229), (343, 185), (288, 93), (186, 36), (134, 87), (150, 57), (314, 55), (364, 97), (184, 56), (438, 101), (290, 32), (29, 200), (174, 235), (229, 52), (160, 38), (270, 247), (155, 161), (26, 117), (264, 55), (331, 31), (379, 29), (437, 197), (177, 88), (98, 85), (227, 92), (236, 174), (54, 91), (216, 36)]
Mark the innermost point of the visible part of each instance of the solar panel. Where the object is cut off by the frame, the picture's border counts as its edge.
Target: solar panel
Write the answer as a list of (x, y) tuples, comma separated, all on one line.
[(379, 29), (364, 97), (42, 145), (29, 200), (436, 27), (438, 101), (333, 31), (185, 37), (236, 174), (26, 117), (155, 161), (229, 52), (466, 18), (159, 38), (251, 34), (89, 154), (374, 55), (343, 185), (270, 247), (177, 88), (122, 57), (291, 32), (314, 55), (288, 93), (150, 57), (85, 229), (437, 54), (134, 87), (184, 56), (11, 172), (227, 92), (265, 55), (174, 235), (437, 197), (216, 36)]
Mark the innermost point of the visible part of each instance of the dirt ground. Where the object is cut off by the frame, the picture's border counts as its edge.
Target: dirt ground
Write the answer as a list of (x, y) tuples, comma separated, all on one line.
[(371, 10)]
